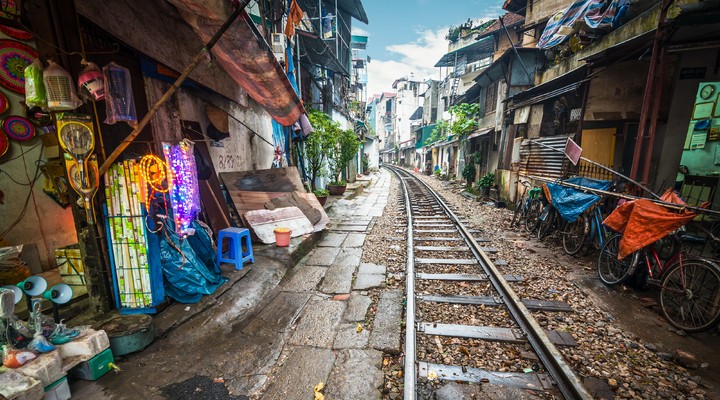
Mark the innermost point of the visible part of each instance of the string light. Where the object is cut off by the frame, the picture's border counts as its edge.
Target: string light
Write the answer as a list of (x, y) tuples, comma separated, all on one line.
[(152, 169), (183, 185)]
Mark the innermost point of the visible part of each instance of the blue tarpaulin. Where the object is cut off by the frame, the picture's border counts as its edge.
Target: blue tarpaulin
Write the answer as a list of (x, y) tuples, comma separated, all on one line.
[(571, 202), (193, 273), (596, 14)]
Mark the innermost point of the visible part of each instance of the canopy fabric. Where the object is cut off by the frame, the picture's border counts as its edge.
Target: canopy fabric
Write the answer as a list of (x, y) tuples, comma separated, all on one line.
[(643, 222), (479, 50), (571, 202), (246, 57), (596, 14), (315, 51)]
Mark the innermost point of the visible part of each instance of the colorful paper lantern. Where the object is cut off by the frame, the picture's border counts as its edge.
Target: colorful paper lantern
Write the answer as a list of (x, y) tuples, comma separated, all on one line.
[(183, 185)]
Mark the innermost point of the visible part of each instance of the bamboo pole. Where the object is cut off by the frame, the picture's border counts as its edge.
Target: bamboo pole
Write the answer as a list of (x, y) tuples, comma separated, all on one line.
[(673, 206), (195, 62)]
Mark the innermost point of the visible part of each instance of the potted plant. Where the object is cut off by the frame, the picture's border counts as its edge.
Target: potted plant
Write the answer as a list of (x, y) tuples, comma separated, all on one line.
[(319, 145), (344, 151), (321, 195), (485, 182), (468, 173)]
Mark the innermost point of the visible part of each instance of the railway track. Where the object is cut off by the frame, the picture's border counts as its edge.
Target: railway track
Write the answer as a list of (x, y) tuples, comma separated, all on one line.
[(452, 268)]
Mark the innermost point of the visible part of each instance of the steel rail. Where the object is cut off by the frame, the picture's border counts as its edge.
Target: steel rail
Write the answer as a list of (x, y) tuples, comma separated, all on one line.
[(565, 378)]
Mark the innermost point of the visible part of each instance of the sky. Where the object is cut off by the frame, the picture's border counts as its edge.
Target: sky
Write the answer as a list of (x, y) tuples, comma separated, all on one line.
[(407, 36)]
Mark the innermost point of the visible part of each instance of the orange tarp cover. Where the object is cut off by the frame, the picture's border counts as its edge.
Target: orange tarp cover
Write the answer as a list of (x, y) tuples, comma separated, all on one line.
[(643, 222)]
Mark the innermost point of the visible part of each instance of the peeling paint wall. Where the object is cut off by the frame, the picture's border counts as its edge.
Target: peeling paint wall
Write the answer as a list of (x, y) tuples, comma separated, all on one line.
[(617, 92)]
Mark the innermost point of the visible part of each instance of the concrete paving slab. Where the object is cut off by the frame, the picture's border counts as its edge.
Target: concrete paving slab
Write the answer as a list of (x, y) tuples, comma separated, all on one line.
[(354, 240), (338, 279), (368, 281), (351, 228), (304, 368), (370, 268), (386, 327), (357, 307), (303, 278), (278, 315), (332, 239), (323, 256), (317, 323), (349, 338), (350, 256), (351, 365), (258, 354)]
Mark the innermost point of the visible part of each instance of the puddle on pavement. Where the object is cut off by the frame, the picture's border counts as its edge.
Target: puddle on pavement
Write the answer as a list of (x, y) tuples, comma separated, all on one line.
[(199, 387)]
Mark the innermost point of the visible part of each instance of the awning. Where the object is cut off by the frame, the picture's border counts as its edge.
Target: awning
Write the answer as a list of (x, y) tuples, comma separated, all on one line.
[(625, 50), (480, 132), (556, 87), (417, 114), (315, 51), (483, 48), (245, 56), (352, 7)]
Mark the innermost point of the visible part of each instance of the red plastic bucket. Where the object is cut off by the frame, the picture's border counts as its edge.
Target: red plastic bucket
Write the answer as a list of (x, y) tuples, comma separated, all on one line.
[(282, 236)]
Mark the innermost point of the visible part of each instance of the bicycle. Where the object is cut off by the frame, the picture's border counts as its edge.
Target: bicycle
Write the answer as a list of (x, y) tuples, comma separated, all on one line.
[(689, 286), (527, 206)]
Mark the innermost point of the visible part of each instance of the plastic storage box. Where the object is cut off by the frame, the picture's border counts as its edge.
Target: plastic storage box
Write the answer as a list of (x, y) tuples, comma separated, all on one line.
[(94, 368), (59, 390)]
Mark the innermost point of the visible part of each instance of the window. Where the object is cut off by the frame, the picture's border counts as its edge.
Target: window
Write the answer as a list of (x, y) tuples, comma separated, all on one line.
[(491, 98)]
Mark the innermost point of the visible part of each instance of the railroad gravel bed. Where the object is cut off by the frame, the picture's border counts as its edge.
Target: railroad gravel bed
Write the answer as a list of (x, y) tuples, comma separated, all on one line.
[(604, 350), (477, 315)]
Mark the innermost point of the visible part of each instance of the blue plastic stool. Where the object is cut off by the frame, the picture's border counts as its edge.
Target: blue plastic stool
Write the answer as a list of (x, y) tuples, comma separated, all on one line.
[(236, 255)]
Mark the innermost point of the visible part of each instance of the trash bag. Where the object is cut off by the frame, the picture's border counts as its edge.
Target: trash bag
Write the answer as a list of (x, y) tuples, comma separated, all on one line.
[(187, 276), (35, 95)]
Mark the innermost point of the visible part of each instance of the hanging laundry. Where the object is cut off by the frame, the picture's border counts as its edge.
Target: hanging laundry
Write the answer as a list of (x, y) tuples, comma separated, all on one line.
[(294, 17)]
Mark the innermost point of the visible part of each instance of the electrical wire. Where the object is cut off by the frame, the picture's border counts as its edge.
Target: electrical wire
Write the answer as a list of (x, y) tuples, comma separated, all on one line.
[(27, 198)]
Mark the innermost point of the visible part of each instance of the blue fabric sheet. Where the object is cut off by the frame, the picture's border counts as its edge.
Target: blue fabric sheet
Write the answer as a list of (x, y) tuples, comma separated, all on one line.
[(571, 202), (188, 279), (596, 14)]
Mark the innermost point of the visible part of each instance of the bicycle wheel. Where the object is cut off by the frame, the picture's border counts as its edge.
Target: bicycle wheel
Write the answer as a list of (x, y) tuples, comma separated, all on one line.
[(546, 224), (518, 217), (573, 236), (611, 270), (533, 215), (690, 296)]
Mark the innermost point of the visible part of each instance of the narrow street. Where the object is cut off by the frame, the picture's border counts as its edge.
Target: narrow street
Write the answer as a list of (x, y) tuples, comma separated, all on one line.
[(336, 318)]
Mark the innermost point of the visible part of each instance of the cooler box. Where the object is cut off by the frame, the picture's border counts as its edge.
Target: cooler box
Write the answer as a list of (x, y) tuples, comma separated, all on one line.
[(59, 390)]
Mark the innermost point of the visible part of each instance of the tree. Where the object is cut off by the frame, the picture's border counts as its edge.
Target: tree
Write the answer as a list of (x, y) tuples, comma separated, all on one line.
[(319, 144), (344, 151)]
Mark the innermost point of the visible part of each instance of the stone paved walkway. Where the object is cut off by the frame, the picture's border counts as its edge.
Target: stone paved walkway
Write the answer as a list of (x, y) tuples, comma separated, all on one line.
[(330, 286)]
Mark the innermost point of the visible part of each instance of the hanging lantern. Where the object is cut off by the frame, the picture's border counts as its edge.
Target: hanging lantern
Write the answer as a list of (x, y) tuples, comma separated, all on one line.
[(91, 83), (183, 184), (61, 94)]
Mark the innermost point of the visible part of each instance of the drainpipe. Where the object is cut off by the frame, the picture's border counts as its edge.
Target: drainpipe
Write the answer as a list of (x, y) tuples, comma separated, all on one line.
[(654, 114), (649, 92)]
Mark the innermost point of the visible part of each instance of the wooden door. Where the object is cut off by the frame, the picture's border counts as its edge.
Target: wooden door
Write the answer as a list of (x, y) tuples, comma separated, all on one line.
[(599, 145)]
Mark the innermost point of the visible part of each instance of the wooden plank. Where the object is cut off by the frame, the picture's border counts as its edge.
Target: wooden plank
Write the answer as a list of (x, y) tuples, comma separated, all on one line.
[(263, 222), (245, 201), (264, 180), (295, 199)]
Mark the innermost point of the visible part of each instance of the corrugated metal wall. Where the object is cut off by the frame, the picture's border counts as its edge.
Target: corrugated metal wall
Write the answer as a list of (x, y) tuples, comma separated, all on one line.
[(537, 160)]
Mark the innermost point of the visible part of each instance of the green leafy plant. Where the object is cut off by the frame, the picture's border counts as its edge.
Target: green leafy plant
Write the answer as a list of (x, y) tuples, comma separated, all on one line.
[(464, 119), (321, 192), (477, 158), (468, 173), (343, 152), (487, 180), (365, 163), (437, 173), (438, 133), (319, 144)]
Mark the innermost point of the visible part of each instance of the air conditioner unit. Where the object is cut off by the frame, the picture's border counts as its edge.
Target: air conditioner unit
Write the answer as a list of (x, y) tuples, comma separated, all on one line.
[(278, 46)]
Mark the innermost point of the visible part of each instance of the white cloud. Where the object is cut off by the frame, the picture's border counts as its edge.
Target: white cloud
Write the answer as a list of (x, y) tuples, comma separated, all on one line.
[(356, 30), (418, 57)]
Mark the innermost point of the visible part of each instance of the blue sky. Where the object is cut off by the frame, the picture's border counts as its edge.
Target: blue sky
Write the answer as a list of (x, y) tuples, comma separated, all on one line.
[(409, 35)]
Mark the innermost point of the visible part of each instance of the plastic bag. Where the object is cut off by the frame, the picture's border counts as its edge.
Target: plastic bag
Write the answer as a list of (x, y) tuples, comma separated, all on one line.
[(60, 89), (14, 358), (119, 101), (34, 87), (91, 83)]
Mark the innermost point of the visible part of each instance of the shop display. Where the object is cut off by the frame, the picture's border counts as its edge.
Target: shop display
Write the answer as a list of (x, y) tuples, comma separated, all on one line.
[(127, 236), (4, 144), (85, 181), (35, 95), (14, 57), (16, 33), (4, 104), (183, 184), (91, 83), (60, 89), (18, 128), (119, 101)]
